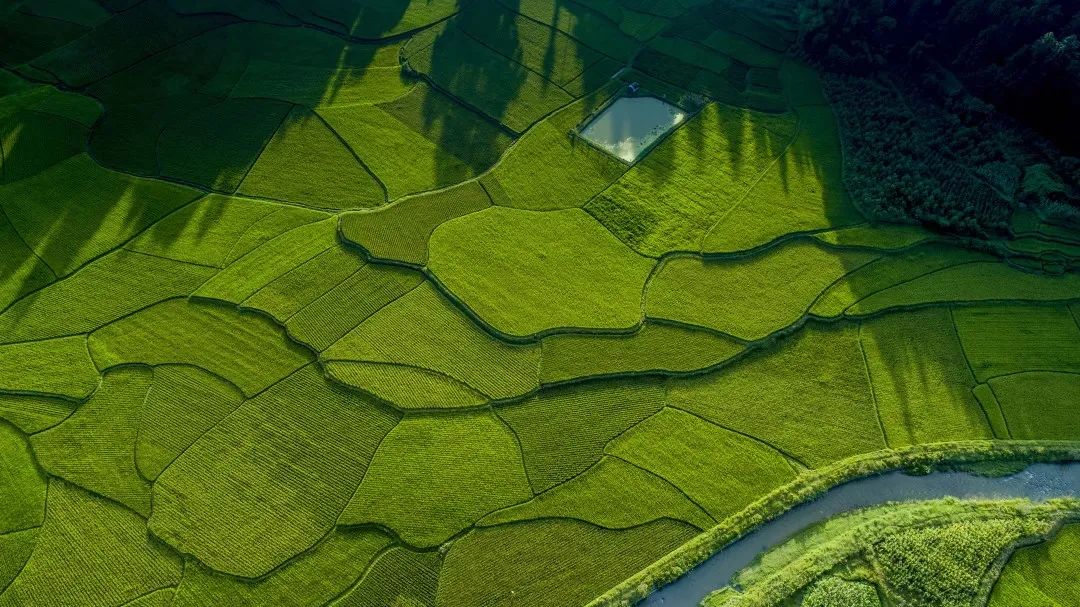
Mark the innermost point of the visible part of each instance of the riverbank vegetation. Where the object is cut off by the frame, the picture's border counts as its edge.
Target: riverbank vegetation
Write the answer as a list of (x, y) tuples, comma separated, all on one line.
[(946, 553), (917, 459), (327, 303)]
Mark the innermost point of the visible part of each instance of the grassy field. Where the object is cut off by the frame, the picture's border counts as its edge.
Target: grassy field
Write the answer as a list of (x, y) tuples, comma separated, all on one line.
[(1041, 574), (328, 303)]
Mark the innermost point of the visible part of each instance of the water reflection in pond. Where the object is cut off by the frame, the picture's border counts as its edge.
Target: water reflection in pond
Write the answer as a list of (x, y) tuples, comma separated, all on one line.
[(630, 125)]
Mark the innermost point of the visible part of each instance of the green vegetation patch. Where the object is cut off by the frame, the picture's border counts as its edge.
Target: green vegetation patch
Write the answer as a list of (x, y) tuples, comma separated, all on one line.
[(992, 408), (497, 85), (1043, 574), (287, 295), (377, 19), (749, 298), (399, 577), (24, 270), (550, 168), (279, 222), (182, 404), (943, 553), (526, 272), (248, 350), (421, 351), (835, 591), (90, 551), (57, 367), (15, 549), (33, 140), (1039, 404), (400, 231), (226, 502), (802, 190), (922, 382), (131, 36), (239, 8), (307, 163), (206, 232), (459, 133), (612, 494), (537, 46), (33, 412), (434, 476), (21, 95), (76, 211), (29, 35), (810, 397), (127, 135), (22, 483), (721, 470), (920, 568), (656, 347), (670, 199), (315, 577), (563, 430), (842, 297), (325, 320), (326, 85), (328, 302), (325, 297), (104, 290), (881, 237), (1001, 340), (94, 448), (591, 24), (404, 160), (278, 255), (86, 13), (157, 598), (515, 560), (694, 68), (972, 282), (216, 146)]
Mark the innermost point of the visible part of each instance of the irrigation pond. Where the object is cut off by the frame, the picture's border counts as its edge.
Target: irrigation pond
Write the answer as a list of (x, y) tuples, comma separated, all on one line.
[(1037, 482), (630, 125)]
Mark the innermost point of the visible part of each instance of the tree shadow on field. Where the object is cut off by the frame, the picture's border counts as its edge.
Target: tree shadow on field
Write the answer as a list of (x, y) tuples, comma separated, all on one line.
[(472, 132), (915, 359), (510, 70), (193, 94), (196, 97), (189, 98)]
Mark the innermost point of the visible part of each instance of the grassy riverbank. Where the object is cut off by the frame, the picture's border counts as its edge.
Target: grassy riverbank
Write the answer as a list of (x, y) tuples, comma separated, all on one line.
[(919, 458), (944, 553)]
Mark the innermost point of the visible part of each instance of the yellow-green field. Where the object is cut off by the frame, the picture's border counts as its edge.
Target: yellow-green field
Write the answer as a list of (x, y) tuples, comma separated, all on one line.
[(327, 303)]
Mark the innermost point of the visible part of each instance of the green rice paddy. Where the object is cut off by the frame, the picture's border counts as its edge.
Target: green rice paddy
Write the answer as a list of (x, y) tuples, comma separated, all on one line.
[(333, 303)]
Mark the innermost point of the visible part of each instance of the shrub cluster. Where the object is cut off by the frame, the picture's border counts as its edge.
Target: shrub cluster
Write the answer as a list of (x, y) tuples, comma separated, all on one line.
[(835, 591), (944, 566)]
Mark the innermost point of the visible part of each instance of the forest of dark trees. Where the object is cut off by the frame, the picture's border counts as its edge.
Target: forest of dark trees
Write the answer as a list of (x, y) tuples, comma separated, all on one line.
[(954, 112)]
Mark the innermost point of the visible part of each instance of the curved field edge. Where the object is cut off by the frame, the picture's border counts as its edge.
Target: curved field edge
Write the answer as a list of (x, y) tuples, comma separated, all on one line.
[(812, 484)]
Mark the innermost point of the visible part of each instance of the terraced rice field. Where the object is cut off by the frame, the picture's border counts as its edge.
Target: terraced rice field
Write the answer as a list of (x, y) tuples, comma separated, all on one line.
[(326, 303)]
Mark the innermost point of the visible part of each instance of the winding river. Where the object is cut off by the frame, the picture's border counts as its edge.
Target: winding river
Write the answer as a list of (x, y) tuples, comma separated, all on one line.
[(1037, 482)]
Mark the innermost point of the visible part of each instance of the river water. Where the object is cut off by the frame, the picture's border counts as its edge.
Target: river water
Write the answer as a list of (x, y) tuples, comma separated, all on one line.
[(1038, 482)]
